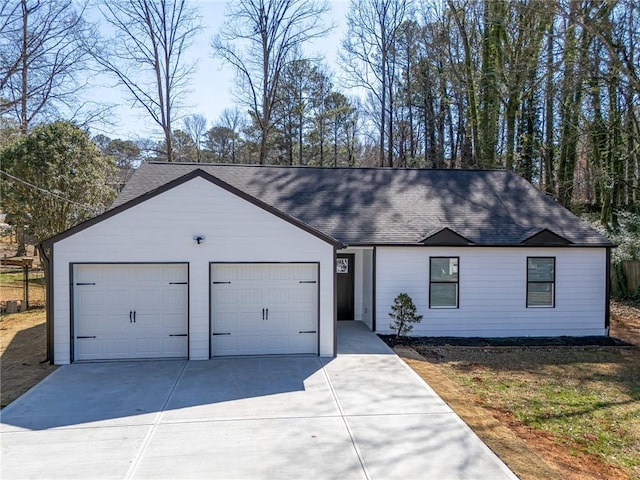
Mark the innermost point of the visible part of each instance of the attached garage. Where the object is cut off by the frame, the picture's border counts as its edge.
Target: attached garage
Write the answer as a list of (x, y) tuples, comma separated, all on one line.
[(265, 308), (130, 311), (161, 275)]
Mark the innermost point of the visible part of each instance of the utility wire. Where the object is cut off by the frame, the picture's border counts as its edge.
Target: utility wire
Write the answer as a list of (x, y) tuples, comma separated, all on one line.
[(88, 207)]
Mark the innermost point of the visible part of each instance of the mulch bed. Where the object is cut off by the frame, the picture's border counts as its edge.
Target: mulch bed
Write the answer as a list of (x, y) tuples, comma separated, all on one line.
[(595, 341)]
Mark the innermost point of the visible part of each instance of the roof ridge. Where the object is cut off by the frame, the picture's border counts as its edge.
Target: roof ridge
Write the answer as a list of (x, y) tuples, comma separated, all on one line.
[(325, 167)]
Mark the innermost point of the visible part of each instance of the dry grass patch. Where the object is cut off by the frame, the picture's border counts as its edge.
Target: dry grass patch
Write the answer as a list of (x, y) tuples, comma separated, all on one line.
[(12, 287), (22, 349), (576, 407), (587, 399)]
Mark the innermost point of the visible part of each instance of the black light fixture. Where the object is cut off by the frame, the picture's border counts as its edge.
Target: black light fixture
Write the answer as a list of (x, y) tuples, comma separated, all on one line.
[(199, 239)]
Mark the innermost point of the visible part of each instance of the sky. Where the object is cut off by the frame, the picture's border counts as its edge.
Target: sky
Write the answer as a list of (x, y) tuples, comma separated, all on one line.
[(212, 83)]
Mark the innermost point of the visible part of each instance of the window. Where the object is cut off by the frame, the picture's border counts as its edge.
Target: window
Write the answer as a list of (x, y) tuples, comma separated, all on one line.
[(443, 282), (541, 281)]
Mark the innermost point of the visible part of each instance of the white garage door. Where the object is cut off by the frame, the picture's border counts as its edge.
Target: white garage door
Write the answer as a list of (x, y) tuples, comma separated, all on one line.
[(262, 309), (130, 311)]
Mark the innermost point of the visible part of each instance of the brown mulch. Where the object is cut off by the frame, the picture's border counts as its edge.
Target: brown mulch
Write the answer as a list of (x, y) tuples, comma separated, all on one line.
[(625, 321)]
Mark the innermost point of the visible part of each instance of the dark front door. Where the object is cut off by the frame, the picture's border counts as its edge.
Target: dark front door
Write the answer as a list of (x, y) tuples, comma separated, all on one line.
[(345, 272)]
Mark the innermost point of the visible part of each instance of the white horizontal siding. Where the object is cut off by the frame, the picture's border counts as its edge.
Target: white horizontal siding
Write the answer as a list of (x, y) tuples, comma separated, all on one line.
[(162, 228), (493, 291)]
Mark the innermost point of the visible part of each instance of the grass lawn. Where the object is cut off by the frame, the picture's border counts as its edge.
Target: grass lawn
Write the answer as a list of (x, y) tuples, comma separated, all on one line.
[(577, 407), (588, 399)]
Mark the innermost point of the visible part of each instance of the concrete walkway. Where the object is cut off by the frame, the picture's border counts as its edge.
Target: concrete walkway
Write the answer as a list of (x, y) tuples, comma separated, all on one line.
[(362, 415)]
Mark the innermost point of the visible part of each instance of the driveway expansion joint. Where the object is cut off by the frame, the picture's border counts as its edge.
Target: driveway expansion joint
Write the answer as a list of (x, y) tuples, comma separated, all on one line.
[(365, 470), (154, 426)]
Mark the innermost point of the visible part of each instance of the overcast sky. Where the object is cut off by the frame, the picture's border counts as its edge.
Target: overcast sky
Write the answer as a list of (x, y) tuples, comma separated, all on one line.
[(212, 83)]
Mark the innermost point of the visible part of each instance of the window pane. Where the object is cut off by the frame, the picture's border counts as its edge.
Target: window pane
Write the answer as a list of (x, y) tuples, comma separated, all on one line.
[(444, 295), (540, 269), (444, 269), (540, 295)]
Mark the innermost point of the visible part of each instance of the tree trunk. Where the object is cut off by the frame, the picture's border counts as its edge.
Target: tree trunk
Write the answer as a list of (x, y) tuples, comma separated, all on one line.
[(549, 118), (24, 119)]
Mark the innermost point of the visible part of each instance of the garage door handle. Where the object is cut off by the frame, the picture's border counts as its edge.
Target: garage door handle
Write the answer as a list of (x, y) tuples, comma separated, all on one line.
[(87, 336), (307, 281), (130, 316), (220, 283), (134, 316), (177, 334), (229, 333), (307, 331), (267, 314)]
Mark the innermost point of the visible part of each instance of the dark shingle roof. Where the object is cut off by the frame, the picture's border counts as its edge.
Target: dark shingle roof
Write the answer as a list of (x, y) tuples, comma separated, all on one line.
[(389, 206)]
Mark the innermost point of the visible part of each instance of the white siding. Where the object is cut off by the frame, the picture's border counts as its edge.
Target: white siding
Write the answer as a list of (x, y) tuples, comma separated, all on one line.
[(367, 287), (162, 228), (493, 291)]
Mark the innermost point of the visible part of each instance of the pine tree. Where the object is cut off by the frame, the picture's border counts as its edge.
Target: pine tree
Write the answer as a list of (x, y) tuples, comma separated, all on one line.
[(404, 314)]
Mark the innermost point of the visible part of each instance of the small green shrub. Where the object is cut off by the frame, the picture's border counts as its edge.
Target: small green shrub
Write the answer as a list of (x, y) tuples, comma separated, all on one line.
[(404, 314)]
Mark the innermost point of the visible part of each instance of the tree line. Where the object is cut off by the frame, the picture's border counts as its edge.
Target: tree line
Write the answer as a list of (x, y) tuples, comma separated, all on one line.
[(547, 88)]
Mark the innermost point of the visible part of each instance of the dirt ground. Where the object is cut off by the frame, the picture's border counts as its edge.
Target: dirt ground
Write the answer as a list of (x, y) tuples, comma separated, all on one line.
[(531, 453), (22, 349)]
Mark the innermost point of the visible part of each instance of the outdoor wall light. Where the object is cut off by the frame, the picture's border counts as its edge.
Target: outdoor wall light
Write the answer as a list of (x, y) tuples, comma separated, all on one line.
[(199, 239)]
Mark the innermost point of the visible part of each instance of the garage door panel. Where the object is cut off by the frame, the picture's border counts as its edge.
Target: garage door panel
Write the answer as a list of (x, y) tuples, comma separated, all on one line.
[(224, 345), (249, 296), (263, 307), (173, 323), (223, 295), (174, 301), (105, 309), (117, 347)]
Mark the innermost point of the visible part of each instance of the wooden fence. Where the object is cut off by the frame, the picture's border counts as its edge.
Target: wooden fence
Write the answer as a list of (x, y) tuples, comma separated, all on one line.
[(631, 271)]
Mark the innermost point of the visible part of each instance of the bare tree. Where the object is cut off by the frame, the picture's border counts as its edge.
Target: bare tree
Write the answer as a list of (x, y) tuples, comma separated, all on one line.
[(196, 126), (258, 39), (146, 54), (40, 57), (368, 58), (233, 120)]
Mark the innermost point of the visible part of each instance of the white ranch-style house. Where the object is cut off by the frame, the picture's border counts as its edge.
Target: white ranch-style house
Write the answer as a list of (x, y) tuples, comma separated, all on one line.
[(197, 261)]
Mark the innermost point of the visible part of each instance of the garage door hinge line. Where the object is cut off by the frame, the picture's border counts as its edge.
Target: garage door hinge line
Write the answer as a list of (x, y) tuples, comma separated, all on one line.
[(154, 426)]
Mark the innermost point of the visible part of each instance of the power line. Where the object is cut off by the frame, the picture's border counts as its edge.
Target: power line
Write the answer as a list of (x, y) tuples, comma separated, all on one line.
[(88, 207)]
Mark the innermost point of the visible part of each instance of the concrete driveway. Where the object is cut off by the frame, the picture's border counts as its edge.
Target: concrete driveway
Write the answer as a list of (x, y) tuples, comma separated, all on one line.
[(362, 415)]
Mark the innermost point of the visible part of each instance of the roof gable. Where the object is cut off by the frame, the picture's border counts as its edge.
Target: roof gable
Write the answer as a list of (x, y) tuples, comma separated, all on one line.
[(197, 173), (545, 237), (445, 236)]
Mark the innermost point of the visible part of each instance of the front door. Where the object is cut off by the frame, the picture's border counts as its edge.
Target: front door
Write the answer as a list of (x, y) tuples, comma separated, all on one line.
[(345, 266)]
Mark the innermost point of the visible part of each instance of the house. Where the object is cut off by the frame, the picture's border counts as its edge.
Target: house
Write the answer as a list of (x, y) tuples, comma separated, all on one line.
[(196, 261)]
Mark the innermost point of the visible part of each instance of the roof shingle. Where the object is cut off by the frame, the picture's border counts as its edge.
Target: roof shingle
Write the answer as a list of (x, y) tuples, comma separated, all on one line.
[(391, 206)]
